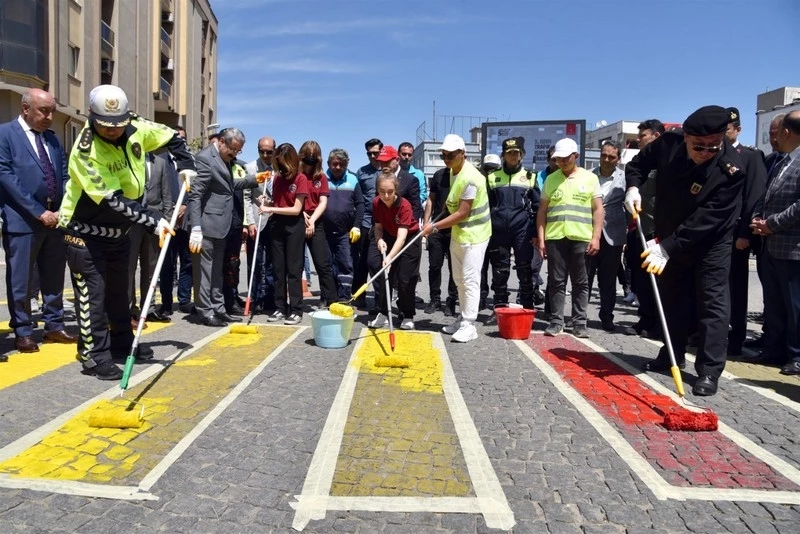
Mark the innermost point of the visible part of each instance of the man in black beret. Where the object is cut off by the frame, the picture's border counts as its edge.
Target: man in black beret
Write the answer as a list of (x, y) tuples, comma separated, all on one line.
[(698, 201)]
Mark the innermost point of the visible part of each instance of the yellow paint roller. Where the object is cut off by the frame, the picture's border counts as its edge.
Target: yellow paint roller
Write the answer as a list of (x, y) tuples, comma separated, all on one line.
[(392, 360), (341, 309), (115, 417), (244, 329)]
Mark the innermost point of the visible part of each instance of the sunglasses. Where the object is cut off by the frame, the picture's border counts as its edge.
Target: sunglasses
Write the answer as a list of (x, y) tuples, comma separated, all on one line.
[(373, 154), (703, 148), (447, 156), (266, 152)]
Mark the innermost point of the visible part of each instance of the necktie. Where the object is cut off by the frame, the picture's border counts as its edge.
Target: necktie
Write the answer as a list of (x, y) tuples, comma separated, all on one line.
[(49, 171)]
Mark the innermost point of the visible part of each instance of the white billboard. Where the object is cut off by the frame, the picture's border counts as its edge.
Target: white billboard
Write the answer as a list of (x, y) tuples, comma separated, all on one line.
[(763, 120), (539, 136)]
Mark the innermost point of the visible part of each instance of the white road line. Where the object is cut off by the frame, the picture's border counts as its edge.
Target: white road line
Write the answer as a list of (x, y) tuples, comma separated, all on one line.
[(140, 492), (315, 499), (764, 392), (655, 482)]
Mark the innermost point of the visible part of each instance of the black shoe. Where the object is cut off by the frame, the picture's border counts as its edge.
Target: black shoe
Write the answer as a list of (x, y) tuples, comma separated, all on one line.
[(734, 350), (608, 325), (3, 358), (658, 365), (705, 386), (228, 318), (791, 368), (538, 297), (104, 371), (235, 309), (763, 358), (491, 320), (157, 317), (449, 308), (143, 352), (433, 306), (214, 321), (654, 333), (165, 311), (755, 343), (186, 308), (632, 330), (481, 303)]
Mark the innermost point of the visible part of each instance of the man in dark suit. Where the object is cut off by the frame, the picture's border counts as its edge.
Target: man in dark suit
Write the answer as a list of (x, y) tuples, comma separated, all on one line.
[(779, 223), (754, 187), (210, 216), (144, 244), (33, 172)]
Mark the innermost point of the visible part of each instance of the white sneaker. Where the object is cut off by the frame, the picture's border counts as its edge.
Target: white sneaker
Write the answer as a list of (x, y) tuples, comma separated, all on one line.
[(466, 333), (407, 324), (35, 306), (379, 321), (452, 328)]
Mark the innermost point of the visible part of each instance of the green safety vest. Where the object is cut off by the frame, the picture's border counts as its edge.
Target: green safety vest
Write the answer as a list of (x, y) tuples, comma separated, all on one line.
[(477, 227), (569, 205)]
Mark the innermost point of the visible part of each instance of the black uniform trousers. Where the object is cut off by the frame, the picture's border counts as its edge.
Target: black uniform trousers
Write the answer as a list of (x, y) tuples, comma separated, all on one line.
[(739, 280), (641, 285), (605, 264), (288, 233), (500, 246), (703, 280), (403, 274), (438, 251), (263, 290), (233, 262), (99, 269), (177, 253), (321, 256)]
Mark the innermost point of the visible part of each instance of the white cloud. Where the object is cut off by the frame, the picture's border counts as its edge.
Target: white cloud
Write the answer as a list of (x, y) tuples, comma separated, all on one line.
[(328, 27)]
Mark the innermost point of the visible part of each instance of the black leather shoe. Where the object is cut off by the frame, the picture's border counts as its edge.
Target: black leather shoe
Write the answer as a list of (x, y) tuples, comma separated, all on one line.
[(631, 330), (157, 317), (538, 297), (214, 321), (104, 371), (186, 308), (755, 343), (791, 368), (661, 365), (433, 306), (608, 325), (705, 386), (763, 358), (228, 318), (449, 308), (3, 358), (236, 310)]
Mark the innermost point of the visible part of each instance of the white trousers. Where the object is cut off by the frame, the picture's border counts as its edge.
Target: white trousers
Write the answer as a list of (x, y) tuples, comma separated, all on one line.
[(467, 260)]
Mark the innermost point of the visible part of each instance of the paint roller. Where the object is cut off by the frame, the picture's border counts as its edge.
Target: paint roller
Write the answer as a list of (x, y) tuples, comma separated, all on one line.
[(118, 417)]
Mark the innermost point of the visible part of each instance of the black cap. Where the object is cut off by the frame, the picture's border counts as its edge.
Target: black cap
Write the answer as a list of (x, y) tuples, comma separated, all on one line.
[(514, 143), (708, 120), (733, 115)]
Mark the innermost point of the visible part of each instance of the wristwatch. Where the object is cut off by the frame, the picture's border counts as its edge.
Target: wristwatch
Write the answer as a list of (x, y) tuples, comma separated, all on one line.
[(435, 228)]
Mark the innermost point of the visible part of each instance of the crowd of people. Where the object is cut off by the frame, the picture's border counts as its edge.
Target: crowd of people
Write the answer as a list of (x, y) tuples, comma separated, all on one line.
[(703, 202)]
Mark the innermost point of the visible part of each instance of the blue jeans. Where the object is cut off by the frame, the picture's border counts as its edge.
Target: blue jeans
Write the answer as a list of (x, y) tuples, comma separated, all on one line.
[(342, 262)]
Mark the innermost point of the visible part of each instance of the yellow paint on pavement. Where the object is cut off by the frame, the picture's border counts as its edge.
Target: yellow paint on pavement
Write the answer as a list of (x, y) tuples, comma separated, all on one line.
[(51, 356), (399, 438), (175, 402)]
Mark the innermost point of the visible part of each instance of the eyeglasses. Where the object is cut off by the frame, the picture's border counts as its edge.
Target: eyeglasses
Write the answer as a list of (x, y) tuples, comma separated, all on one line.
[(447, 156), (703, 148), (266, 152), (373, 154)]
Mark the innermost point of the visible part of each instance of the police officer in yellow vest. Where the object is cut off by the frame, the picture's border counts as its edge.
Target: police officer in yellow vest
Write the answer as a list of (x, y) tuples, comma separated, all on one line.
[(469, 218), (568, 224), (102, 200), (513, 199)]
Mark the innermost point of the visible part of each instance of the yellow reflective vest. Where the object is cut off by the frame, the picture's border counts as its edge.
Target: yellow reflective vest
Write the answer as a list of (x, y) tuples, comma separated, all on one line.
[(477, 227), (569, 205)]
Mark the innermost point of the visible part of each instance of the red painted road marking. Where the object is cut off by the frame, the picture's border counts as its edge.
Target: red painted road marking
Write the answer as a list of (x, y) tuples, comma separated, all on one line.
[(689, 459)]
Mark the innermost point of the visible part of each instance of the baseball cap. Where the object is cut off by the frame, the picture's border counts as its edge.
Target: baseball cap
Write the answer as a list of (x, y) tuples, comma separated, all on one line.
[(514, 143), (565, 147), (388, 153), (453, 142), (108, 105), (492, 159)]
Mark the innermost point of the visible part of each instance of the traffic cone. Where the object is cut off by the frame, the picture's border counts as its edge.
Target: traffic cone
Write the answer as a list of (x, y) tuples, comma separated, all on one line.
[(306, 292)]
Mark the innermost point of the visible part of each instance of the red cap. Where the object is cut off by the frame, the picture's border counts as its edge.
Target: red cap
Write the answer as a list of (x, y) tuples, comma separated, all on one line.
[(388, 153)]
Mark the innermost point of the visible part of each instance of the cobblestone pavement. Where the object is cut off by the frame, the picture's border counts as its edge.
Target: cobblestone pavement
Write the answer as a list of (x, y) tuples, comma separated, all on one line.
[(239, 430)]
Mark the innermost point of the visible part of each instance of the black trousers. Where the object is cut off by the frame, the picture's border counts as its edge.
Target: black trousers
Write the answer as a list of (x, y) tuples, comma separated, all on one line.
[(641, 285), (403, 274), (739, 281), (438, 250), (704, 280), (321, 256), (501, 244), (781, 307), (360, 254), (99, 270), (178, 251), (230, 269), (606, 265), (288, 233)]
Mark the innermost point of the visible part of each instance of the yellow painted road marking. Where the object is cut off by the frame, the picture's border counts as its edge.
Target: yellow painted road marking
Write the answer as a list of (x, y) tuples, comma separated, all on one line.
[(51, 356), (176, 401), (401, 440)]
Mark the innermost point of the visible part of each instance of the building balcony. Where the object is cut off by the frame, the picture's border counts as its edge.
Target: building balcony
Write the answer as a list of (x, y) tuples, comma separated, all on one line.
[(166, 43), (107, 40)]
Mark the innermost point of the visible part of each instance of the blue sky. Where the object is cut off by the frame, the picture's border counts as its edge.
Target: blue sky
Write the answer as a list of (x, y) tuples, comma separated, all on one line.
[(343, 71)]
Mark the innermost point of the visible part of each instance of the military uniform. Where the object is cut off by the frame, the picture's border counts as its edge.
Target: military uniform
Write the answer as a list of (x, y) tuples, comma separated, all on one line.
[(696, 210), (102, 201)]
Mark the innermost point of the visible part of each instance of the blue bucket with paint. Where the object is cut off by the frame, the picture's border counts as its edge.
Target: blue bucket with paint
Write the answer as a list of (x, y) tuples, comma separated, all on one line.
[(331, 331)]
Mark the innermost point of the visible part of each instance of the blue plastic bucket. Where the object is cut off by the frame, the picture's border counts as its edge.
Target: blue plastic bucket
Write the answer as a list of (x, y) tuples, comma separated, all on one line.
[(331, 331)]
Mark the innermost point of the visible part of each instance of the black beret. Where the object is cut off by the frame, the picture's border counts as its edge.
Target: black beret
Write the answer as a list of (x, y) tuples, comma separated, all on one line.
[(708, 120), (514, 143), (733, 115)]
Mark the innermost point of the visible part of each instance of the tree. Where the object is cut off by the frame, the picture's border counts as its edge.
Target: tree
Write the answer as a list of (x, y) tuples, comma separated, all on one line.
[(195, 145)]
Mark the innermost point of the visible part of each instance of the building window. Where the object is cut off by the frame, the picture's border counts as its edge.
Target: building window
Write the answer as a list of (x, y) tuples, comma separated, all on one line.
[(74, 60)]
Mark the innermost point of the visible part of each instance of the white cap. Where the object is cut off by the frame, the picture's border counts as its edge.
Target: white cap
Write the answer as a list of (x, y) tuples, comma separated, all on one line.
[(492, 159), (453, 142), (565, 147), (108, 105)]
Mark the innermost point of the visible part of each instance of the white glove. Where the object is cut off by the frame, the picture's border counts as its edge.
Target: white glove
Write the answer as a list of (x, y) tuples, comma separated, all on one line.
[(655, 258), (633, 201), (196, 240), (186, 176), (162, 229)]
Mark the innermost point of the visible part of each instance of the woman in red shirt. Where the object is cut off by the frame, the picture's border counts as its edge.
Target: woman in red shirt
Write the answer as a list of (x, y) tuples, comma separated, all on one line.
[(394, 225), (287, 230), (313, 208)]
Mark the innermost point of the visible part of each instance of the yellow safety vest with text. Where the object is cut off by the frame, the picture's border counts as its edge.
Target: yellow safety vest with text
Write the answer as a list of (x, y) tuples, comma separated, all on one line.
[(569, 205), (477, 227)]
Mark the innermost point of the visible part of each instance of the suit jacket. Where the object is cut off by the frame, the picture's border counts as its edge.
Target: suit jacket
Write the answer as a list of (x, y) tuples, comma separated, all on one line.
[(23, 189), (409, 190), (171, 176), (211, 196), (782, 212), (157, 187), (250, 206), (755, 184)]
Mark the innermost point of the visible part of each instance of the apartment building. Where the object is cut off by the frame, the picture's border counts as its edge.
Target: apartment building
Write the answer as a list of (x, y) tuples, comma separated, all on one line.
[(163, 53)]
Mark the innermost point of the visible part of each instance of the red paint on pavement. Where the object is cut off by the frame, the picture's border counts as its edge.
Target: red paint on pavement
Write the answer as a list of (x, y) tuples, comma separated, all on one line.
[(697, 459)]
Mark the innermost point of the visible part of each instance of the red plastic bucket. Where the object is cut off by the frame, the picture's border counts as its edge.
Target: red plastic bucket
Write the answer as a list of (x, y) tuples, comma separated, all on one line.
[(514, 323)]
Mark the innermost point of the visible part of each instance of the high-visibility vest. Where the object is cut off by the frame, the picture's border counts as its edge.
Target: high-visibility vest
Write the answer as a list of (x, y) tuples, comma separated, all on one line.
[(569, 205), (477, 227)]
